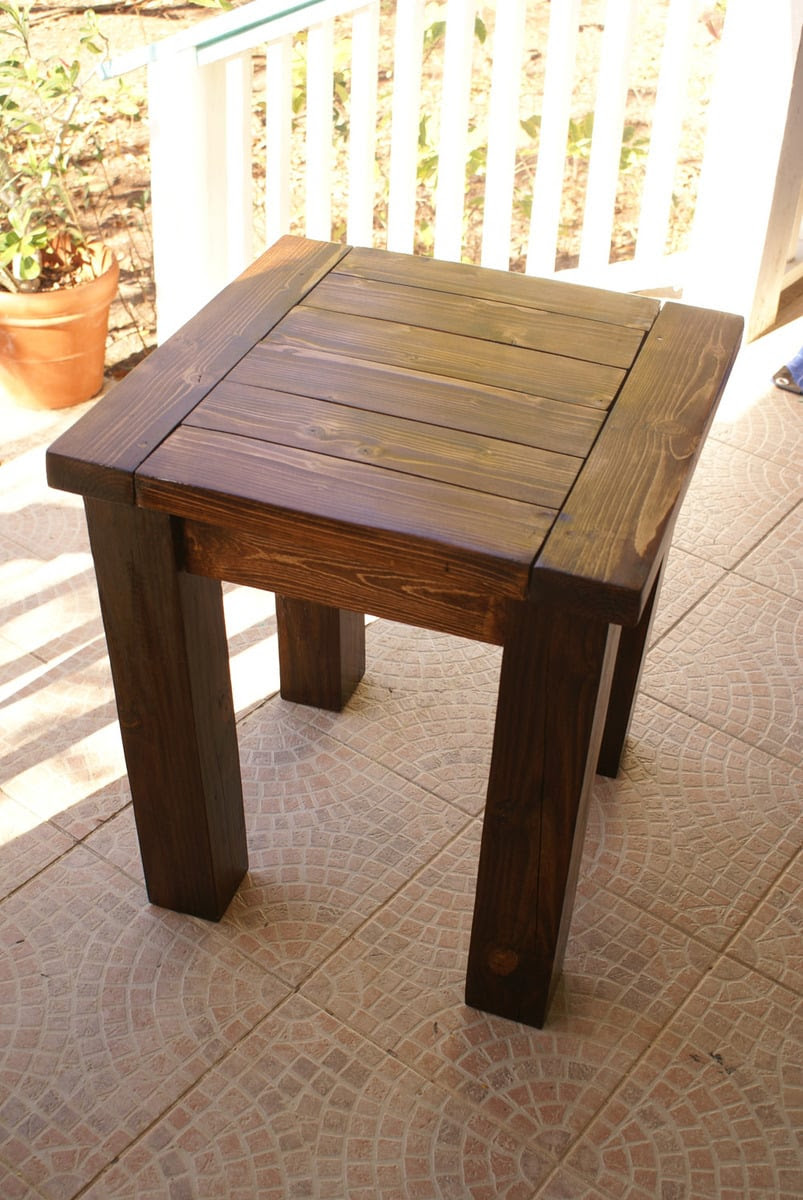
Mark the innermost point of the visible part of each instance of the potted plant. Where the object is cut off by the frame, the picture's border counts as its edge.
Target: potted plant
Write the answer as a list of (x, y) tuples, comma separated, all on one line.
[(56, 280)]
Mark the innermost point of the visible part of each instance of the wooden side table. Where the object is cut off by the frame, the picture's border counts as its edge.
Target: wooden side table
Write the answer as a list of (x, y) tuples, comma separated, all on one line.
[(477, 452)]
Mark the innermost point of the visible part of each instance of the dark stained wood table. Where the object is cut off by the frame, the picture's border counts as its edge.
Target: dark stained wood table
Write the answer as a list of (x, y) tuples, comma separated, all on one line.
[(472, 451)]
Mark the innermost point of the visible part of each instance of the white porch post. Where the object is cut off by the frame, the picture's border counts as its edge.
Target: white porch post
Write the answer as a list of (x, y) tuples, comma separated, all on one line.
[(753, 165), (200, 118)]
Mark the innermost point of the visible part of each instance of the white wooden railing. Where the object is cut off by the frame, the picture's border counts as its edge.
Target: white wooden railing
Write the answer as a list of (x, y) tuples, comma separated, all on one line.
[(203, 101)]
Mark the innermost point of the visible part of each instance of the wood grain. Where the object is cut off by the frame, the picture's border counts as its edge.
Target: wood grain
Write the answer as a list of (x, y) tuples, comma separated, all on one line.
[(553, 691), (321, 652), (630, 656), (464, 279), (169, 658), (415, 582), (497, 321), (97, 455), (452, 355), (604, 551), (490, 411), (244, 483), (483, 464)]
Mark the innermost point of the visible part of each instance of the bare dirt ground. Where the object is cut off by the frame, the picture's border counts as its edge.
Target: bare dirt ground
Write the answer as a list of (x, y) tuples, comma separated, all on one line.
[(123, 204)]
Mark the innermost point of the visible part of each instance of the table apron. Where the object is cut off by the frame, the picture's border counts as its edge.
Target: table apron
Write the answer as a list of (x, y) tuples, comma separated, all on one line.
[(432, 590)]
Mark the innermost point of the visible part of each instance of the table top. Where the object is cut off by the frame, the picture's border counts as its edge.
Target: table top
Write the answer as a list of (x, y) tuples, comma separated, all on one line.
[(542, 430)]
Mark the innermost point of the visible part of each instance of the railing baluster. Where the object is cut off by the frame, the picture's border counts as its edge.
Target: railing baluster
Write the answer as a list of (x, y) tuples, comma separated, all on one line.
[(503, 128), (667, 122), (407, 61), (320, 76), (362, 125), (201, 120), (278, 125), (453, 147), (555, 109), (606, 145), (238, 180)]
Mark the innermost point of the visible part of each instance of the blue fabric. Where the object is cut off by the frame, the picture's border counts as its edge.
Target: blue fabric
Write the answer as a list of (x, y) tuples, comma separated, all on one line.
[(795, 366)]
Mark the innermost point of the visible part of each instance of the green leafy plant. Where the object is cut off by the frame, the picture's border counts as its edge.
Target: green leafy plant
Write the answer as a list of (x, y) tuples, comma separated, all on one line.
[(51, 153)]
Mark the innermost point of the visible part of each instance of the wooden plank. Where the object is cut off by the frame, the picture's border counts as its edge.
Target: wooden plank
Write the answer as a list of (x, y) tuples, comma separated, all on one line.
[(237, 481), (169, 658), (451, 355), (492, 411), (489, 465), (98, 455), (612, 308), (497, 321), (389, 576), (604, 553)]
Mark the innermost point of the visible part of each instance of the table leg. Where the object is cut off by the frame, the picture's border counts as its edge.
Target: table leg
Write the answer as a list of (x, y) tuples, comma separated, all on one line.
[(629, 662), (169, 659), (553, 692), (321, 652)]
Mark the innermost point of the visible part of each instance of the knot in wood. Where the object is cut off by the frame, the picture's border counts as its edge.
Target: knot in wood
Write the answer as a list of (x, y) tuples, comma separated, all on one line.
[(502, 960)]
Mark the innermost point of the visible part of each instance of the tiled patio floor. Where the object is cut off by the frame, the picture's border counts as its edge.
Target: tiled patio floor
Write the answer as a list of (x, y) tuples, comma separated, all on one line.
[(315, 1043)]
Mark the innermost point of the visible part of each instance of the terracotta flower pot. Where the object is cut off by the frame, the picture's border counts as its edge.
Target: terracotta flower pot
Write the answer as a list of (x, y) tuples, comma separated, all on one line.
[(53, 343)]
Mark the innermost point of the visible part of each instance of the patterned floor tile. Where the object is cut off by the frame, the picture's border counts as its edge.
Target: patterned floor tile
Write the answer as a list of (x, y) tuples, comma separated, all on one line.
[(115, 840), (331, 835), (777, 562), (253, 647), (39, 519), (95, 809), (698, 825), (14, 665), (425, 709), (22, 429), (734, 499), (59, 739), (734, 662), (762, 419), (13, 1187), (305, 1107), (565, 1184), (27, 845), (687, 580), (60, 748), (770, 942), (49, 607), (109, 1011), (400, 982), (714, 1107)]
